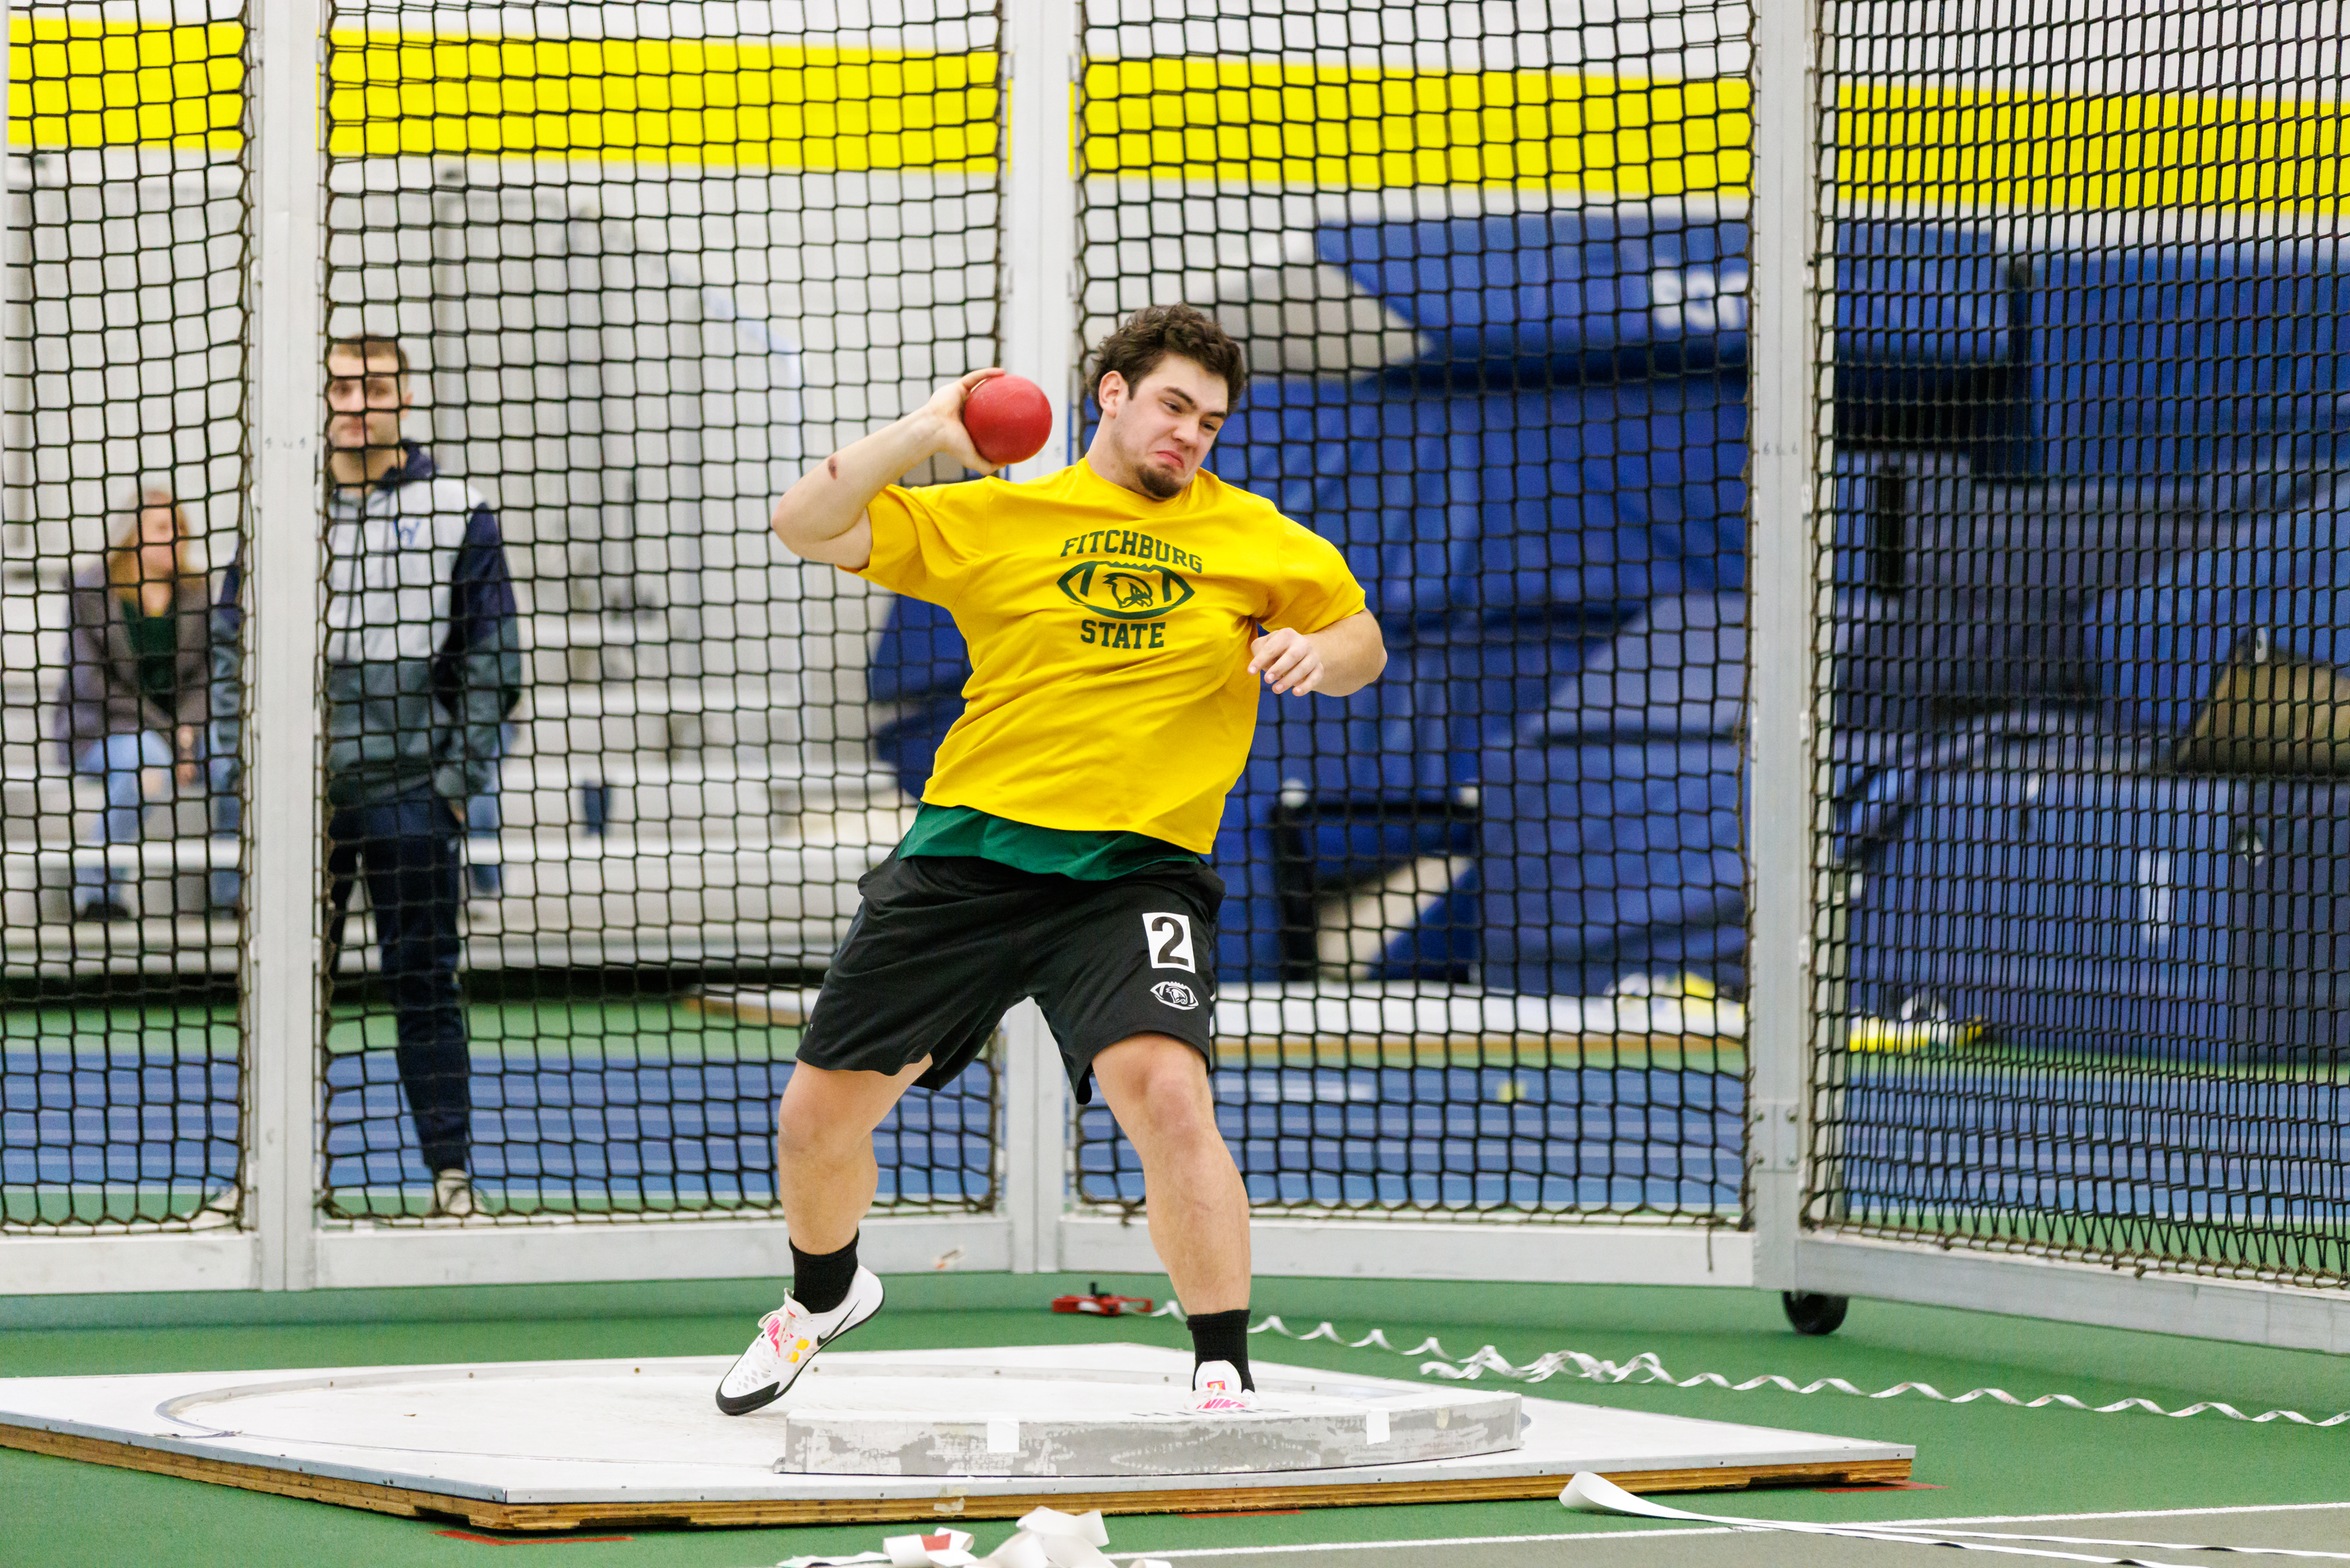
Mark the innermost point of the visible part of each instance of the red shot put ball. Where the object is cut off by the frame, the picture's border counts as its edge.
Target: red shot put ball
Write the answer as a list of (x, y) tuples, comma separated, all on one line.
[(1008, 418)]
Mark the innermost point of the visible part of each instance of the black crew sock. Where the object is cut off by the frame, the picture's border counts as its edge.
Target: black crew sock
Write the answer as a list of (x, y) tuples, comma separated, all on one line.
[(820, 1280), (1222, 1336)]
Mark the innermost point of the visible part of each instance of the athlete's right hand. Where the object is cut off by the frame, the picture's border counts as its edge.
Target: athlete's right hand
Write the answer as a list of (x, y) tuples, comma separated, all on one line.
[(945, 412)]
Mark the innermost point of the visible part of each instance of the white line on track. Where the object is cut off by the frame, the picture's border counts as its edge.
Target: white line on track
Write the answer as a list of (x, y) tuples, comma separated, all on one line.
[(1397, 1546), (1613, 1535)]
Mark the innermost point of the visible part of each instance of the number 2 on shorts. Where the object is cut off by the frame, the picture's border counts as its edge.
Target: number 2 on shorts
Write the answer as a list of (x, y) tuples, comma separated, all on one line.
[(1168, 939)]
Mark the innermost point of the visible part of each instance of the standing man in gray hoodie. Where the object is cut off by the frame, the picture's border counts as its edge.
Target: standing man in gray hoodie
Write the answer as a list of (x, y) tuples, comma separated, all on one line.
[(423, 664)]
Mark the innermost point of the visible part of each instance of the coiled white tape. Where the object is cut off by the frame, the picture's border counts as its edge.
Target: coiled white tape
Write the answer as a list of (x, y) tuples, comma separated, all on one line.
[(1647, 1368)]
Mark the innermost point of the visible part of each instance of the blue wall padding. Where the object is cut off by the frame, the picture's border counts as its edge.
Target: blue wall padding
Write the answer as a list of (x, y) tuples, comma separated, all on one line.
[(1446, 943), (1389, 742), (1679, 670), (1658, 292), (1419, 728), (919, 666), (1389, 739), (2173, 361), (1605, 858), (1248, 931), (2282, 580), (1563, 499), (1611, 839), (1375, 471), (908, 742), (1920, 294), (2067, 906), (1414, 738), (1573, 290), (920, 654)]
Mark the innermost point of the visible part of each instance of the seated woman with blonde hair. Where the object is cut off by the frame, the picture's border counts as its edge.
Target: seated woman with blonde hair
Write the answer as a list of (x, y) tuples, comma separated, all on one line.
[(133, 706)]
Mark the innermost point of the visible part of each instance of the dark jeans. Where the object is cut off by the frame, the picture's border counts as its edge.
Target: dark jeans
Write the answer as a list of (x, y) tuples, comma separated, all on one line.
[(407, 851)]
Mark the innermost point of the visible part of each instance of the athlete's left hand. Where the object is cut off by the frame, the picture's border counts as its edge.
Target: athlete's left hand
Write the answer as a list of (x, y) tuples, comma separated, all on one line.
[(1288, 660)]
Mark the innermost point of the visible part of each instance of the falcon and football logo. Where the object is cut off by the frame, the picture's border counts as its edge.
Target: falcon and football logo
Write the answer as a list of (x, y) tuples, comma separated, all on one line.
[(1126, 593)]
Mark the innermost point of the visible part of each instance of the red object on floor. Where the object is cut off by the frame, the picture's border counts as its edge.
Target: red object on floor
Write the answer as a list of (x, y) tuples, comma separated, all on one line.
[(1101, 1304)]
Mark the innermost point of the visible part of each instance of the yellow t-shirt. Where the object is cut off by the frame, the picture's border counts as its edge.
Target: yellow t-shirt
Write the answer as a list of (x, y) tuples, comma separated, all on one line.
[(1109, 640)]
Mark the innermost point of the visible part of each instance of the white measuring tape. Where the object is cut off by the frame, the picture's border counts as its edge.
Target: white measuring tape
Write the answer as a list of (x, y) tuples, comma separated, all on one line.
[(1646, 1368), (1589, 1493)]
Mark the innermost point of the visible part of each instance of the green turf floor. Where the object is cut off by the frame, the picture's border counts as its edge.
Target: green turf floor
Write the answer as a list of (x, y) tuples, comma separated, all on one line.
[(1980, 1458)]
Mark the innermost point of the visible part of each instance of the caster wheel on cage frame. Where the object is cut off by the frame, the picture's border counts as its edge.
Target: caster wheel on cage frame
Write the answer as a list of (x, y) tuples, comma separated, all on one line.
[(1814, 1314)]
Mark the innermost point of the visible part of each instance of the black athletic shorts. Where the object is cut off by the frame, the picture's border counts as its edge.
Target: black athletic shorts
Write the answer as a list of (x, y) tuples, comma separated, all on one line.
[(945, 945)]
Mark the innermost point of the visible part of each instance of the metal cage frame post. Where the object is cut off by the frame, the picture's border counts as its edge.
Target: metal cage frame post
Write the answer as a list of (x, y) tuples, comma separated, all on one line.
[(1037, 259), (281, 647), (1033, 1154), (1785, 381), (167, 1261), (1038, 264)]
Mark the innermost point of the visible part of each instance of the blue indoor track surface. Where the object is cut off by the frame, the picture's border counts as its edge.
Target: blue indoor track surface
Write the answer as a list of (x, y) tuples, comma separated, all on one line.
[(1939, 1138), (1624, 1139), (592, 1131), (96, 1115)]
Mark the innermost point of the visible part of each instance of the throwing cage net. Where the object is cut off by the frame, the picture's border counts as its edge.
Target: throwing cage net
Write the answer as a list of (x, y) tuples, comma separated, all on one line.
[(639, 278), (1483, 933), (124, 318), (2084, 848), (2090, 846)]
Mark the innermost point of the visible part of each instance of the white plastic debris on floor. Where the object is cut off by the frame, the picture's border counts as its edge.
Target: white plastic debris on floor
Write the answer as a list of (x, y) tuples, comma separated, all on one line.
[(1045, 1538)]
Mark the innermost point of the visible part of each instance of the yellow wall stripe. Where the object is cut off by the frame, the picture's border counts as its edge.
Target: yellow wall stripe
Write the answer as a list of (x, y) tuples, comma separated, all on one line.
[(1959, 147), (92, 83), (95, 83), (692, 101), (84, 82), (1351, 128)]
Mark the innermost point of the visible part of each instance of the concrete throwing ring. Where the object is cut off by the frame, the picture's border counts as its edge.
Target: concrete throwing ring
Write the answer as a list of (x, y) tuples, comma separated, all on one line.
[(872, 1418)]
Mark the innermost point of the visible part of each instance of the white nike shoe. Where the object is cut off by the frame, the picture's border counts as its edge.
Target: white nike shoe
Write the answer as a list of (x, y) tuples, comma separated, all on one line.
[(1216, 1390), (788, 1340)]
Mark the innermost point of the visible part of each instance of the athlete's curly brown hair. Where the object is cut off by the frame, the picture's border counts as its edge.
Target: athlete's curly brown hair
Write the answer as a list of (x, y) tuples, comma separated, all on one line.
[(1156, 331)]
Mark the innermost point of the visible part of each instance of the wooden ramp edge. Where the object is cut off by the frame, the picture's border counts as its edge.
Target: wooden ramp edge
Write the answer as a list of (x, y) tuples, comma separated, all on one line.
[(1243, 1498)]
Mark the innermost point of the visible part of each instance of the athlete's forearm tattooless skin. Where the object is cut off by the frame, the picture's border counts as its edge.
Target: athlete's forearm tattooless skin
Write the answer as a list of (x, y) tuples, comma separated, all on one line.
[(1337, 661), (822, 518)]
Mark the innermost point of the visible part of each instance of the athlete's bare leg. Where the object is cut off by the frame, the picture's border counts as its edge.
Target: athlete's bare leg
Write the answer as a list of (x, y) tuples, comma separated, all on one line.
[(824, 1169), (1157, 1087)]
